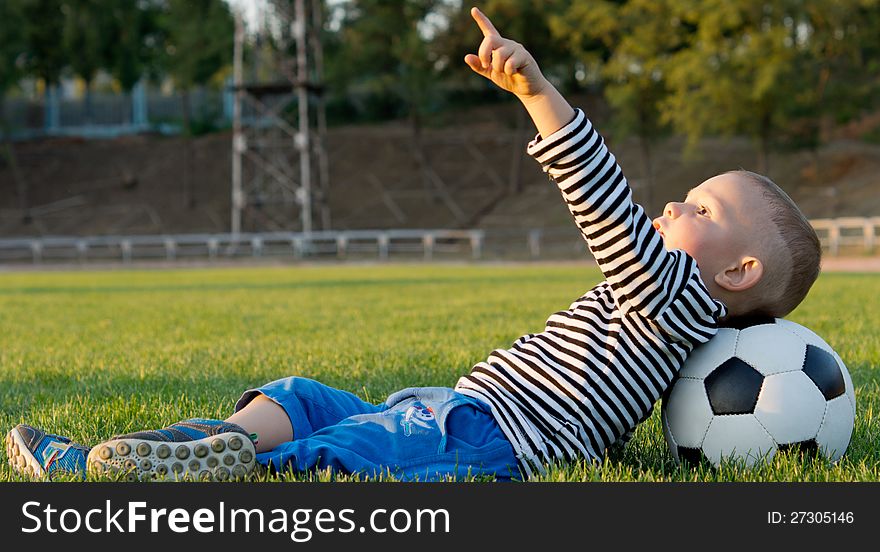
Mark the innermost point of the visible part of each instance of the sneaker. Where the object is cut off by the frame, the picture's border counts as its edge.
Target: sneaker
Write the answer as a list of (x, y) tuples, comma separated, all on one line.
[(32, 451), (192, 449)]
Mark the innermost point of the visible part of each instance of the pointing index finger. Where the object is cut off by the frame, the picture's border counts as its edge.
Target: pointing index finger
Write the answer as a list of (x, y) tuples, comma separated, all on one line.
[(483, 22)]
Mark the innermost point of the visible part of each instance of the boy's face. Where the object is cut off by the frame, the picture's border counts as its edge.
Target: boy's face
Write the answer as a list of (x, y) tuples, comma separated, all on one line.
[(718, 223)]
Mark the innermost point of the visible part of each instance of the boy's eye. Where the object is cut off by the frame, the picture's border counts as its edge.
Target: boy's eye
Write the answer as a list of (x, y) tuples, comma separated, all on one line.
[(701, 210)]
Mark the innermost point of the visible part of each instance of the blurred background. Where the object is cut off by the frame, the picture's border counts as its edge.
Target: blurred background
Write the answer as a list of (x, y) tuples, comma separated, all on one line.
[(175, 129)]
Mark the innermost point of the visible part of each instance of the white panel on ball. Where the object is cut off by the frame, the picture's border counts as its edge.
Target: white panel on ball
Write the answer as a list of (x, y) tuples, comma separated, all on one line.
[(670, 439), (836, 431), (710, 355), (791, 407), (847, 379), (738, 437), (807, 335), (688, 412), (771, 349)]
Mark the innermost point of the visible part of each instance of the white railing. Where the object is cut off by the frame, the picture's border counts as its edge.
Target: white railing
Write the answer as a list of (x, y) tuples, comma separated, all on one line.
[(853, 234), (841, 235), (339, 244)]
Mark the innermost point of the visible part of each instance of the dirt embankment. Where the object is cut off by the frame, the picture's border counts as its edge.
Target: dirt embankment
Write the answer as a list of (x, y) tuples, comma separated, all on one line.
[(136, 184)]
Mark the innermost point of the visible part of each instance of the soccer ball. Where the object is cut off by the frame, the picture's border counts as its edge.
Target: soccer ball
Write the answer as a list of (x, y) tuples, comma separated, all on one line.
[(762, 386)]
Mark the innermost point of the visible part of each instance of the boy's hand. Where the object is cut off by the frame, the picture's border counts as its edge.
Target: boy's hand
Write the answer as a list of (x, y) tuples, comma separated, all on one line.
[(505, 62), (510, 66)]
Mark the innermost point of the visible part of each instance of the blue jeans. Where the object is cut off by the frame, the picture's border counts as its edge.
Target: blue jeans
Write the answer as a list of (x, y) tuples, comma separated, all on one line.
[(419, 433)]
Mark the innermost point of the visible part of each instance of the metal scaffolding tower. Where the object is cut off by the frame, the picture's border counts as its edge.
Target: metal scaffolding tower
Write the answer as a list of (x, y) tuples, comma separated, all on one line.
[(279, 162)]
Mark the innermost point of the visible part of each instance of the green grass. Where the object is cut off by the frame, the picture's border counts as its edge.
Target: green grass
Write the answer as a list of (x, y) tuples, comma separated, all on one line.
[(93, 354)]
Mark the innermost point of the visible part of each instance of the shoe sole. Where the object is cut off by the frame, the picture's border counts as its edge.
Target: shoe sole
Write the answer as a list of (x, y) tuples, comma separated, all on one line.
[(213, 458), (20, 458)]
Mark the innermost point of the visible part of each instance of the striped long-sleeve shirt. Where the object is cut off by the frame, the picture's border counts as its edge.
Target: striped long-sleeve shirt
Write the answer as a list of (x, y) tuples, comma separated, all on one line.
[(597, 369)]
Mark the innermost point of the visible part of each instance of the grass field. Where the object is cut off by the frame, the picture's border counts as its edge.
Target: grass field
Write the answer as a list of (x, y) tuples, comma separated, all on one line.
[(93, 354)]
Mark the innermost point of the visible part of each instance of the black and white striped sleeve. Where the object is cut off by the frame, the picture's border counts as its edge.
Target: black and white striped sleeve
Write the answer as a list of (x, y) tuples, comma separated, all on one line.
[(642, 274)]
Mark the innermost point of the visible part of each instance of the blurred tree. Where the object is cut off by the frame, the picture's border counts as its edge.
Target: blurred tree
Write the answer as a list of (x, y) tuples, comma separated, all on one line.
[(777, 72), (43, 27), (381, 57), (868, 14), (135, 40), (835, 42), (198, 44), (737, 74), (12, 51), (86, 32), (630, 42)]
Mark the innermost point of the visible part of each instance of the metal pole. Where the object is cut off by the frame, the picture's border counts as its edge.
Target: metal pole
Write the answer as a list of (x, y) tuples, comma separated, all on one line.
[(321, 138), (238, 143), (299, 28)]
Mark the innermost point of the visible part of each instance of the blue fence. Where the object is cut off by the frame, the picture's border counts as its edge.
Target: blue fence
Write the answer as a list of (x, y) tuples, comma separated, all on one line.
[(145, 109)]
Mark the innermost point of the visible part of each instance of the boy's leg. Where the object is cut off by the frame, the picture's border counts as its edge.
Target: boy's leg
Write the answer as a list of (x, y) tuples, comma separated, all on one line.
[(267, 420), (294, 408), (421, 434), (270, 415), (221, 449)]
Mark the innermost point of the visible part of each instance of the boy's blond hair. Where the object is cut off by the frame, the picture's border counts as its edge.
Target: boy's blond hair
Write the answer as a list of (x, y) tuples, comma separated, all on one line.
[(794, 262)]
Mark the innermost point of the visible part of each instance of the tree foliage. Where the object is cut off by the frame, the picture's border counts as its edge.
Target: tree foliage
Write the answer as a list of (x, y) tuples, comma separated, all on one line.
[(768, 70), (780, 72), (136, 40), (383, 58), (628, 45), (12, 44), (198, 40), (84, 30), (43, 28)]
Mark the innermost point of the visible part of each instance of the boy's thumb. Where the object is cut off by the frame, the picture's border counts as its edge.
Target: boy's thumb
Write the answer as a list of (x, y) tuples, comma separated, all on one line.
[(474, 63)]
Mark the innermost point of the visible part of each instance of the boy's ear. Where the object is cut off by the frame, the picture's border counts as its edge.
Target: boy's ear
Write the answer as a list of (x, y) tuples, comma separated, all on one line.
[(742, 275)]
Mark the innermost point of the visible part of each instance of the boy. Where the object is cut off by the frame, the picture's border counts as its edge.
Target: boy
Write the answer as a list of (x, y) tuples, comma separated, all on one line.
[(737, 246)]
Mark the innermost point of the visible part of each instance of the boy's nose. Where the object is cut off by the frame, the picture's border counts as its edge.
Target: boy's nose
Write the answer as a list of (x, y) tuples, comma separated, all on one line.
[(672, 210)]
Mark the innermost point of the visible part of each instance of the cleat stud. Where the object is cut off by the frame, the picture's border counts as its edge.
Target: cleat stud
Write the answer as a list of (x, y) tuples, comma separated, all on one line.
[(222, 474), (161, 469), (144, 449), (163, 451), (205, 475), (130, 464), (123, 448), (194, 466), (212, 462), (106, 453), (200, 450), (182, 452), (177, 467), (239, 471), (145, 464), (131, 477), (235, 443), (217, 445), (229, 459), (245, 456)]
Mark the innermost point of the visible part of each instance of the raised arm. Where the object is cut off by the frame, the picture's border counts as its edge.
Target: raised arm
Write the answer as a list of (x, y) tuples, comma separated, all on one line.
[(643, 275)]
